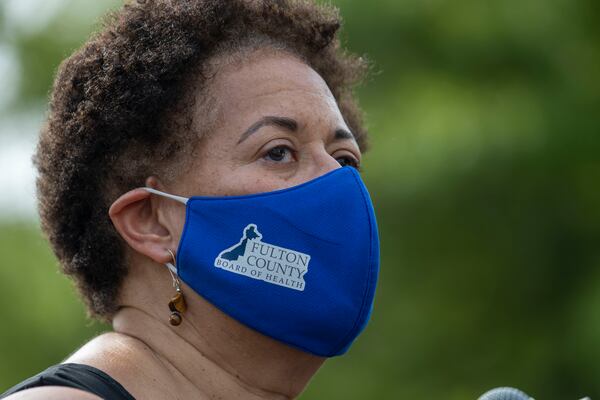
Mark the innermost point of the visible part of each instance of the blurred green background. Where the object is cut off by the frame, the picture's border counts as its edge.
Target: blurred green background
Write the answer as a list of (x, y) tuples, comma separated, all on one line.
[(484, 171)]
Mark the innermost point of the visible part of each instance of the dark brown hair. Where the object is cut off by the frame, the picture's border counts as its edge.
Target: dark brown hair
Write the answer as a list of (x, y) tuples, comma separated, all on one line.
[(119, 112)]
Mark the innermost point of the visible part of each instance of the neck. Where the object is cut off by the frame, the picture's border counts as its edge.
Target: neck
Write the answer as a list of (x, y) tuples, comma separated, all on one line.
[(215, 354)]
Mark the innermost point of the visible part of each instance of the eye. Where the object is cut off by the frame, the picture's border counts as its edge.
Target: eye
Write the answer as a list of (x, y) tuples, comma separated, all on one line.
[(348, 161), (278, 154)]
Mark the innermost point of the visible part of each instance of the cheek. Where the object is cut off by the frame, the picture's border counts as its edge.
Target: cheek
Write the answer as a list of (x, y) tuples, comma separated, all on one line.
[(220, 173), (251, 179), (238, 184)]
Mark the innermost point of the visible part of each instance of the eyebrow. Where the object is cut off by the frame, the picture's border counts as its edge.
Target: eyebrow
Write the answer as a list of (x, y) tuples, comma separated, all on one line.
[(287, 124)]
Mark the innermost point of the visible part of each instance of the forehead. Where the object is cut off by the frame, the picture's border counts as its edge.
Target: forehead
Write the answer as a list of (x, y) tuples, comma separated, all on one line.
[(273, 83)]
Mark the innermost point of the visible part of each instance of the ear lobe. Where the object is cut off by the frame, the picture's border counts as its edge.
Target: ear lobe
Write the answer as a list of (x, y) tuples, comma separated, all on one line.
[(137, 222)]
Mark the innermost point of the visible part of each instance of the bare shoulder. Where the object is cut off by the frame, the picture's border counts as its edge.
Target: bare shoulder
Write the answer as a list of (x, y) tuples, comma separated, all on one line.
[(112, 348), (53, 393), (128, 360)]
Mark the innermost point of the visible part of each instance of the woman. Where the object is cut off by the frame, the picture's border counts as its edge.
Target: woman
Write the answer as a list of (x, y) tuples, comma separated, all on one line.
[(197, 179)]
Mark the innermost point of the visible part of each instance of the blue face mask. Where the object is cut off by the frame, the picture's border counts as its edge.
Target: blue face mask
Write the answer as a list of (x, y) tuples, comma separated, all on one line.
[(299, 264)]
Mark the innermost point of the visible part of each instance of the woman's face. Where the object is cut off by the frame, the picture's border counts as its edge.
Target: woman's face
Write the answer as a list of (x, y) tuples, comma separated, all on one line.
[(278, 126)]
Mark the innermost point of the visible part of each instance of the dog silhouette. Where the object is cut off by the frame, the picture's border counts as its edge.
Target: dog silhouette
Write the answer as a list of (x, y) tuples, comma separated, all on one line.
[(240, 249)]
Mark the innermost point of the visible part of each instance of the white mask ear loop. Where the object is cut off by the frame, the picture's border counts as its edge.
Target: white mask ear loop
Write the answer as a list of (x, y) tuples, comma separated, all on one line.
[(172, 267), (180, 199), (173, 271)]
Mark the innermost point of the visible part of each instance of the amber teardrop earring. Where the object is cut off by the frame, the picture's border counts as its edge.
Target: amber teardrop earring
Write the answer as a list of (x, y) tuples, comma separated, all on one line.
[(177, 304)]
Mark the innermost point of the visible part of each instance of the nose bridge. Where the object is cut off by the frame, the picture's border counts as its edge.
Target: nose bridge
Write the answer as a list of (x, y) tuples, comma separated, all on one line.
[(323, 161)]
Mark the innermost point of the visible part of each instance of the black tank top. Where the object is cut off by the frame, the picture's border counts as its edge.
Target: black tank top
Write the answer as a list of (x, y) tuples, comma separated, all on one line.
[(78, 376)]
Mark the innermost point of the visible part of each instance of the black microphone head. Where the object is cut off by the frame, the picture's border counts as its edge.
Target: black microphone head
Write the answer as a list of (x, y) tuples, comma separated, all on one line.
[(504, 393)]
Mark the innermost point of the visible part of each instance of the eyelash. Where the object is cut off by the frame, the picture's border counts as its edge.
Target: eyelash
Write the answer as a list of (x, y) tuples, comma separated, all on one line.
[(353, 162)]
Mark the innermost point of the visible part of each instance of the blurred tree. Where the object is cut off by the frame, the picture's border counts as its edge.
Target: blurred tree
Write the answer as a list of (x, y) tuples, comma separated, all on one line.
[(484, 171)]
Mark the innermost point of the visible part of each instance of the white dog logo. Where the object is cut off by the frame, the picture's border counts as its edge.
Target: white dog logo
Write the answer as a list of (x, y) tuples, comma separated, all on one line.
[(259, 260)]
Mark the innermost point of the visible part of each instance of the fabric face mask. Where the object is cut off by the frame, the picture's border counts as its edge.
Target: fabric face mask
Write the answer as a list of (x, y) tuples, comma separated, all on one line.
[(299, 264)]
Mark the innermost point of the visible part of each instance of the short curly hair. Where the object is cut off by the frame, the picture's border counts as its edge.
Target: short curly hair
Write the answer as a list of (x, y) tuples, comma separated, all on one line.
[(120, 111)]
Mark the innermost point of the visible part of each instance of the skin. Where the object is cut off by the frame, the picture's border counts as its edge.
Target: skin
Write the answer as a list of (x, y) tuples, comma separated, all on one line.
[(210, 355)]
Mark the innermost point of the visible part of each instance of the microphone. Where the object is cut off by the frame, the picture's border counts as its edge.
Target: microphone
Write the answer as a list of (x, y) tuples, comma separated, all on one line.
[(504, 393), (508, 393)]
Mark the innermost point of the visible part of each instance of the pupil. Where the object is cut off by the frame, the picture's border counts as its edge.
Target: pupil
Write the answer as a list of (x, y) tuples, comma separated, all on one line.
[(277, 153), (347, 161)]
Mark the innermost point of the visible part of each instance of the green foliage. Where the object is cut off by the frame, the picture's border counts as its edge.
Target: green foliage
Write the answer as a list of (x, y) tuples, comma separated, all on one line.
[(42, 320), (484, 172)]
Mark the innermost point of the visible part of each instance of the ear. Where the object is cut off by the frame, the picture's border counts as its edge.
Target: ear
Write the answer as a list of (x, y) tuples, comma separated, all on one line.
[(137, 217)]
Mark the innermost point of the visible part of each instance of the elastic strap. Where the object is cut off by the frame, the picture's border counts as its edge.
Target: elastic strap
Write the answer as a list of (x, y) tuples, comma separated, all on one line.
[(180, 199), (171, 267)]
